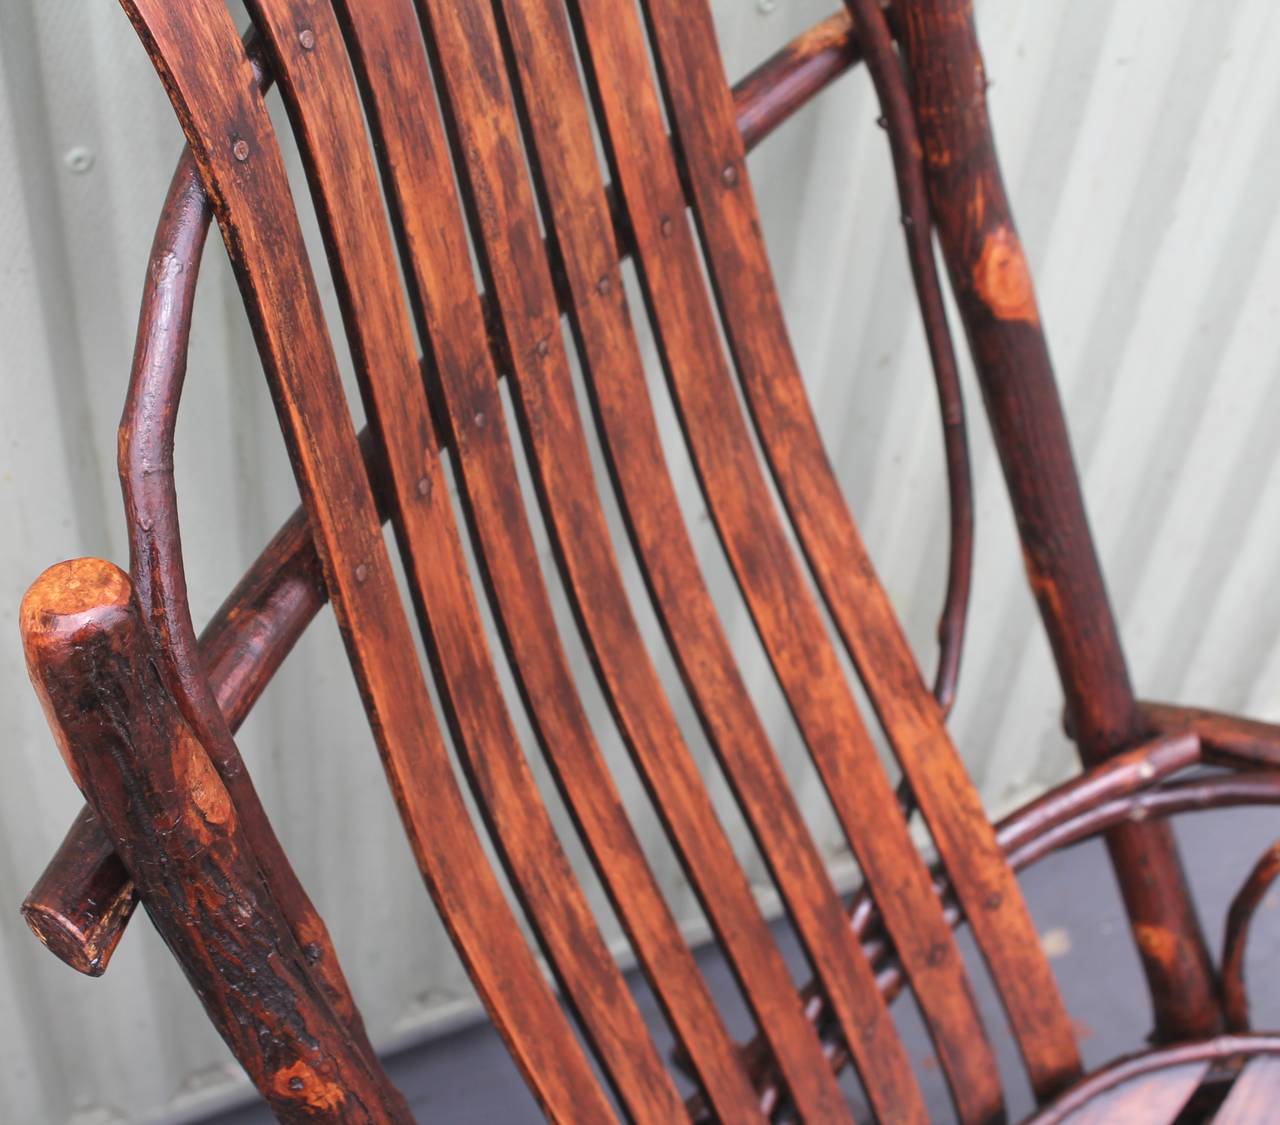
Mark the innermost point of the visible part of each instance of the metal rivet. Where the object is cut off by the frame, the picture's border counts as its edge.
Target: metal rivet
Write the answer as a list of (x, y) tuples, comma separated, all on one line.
[(479, 421), (79, 160), (604, 285), (307, 38), (362, 572), (667, 226), (424, 486), (729, 175), (240, 150), (1146, 771), (542, 348)]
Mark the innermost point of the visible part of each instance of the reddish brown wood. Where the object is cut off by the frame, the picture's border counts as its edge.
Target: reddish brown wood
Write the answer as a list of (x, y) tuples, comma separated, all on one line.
[(787, 80), (81, 905), (329, 120), (481, 117), (904, 142), (178, 832), (549, 236), (564, 164), (1235, 998), (996, 298), (737, 263), (1230, 739), (204, 68), (1020, 836), (146, 474)]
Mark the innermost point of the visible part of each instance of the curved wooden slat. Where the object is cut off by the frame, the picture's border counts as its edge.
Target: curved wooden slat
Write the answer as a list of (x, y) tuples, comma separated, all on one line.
[(782, 606), (700, 107), (396, 76), (199, 56), (308, 47), (82, 903), (563, 156)]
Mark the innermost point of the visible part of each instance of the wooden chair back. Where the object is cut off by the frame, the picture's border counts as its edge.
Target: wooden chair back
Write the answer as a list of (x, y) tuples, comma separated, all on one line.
[(480, 171)]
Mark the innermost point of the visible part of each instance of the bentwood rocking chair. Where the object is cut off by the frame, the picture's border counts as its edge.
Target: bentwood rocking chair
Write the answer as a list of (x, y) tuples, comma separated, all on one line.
[(480, 121)]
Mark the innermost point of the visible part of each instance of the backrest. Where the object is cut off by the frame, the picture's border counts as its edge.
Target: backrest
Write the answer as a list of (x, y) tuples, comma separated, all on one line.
[(445, 140)]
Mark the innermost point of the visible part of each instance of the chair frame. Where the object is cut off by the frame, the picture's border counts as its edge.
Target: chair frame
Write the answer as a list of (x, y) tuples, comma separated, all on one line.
[(1144, 762)]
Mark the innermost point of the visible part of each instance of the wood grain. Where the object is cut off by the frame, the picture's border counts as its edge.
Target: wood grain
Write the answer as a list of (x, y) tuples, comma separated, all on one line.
[(199, 57), (177, 830)]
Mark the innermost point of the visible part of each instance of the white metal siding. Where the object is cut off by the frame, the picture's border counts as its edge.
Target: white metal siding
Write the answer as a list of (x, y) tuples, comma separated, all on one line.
[(1138, 141)]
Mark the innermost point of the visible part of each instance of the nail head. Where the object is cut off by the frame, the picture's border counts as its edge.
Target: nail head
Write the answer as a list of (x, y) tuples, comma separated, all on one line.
[(307, 38), (729, 175), (362, 572), (240, 150), (79, 160)]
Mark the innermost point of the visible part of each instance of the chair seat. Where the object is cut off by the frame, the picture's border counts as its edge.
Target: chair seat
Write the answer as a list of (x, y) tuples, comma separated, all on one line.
[(1157, 1087)]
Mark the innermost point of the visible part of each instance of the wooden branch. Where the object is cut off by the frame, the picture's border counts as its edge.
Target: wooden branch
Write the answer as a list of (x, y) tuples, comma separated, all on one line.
[(81, 905), (177, 830), (1230, 739), (917, 225), (1235, 998), (996, 298), (771, 93)]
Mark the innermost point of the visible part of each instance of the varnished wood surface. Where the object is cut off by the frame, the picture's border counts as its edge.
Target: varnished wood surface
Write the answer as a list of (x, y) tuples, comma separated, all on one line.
[(503, 172), (196, 51), (81, 905), (177, 830), (995, 295)]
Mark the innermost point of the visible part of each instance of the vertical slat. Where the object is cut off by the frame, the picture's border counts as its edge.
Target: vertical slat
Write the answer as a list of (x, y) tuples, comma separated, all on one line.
[(203, 65), (315, 75), (701, 108), (781, 604), (392, 60), (481, 113), (564, 161)]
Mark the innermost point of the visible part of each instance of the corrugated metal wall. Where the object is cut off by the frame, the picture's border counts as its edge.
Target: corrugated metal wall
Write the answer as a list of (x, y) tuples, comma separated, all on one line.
[(1138, 141)]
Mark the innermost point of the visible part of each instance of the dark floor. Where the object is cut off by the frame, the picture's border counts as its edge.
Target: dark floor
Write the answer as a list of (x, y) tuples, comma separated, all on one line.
[(468, 1078)]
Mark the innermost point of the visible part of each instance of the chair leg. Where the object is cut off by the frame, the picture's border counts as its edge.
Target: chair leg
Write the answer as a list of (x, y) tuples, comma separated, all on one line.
[(165, 808)]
